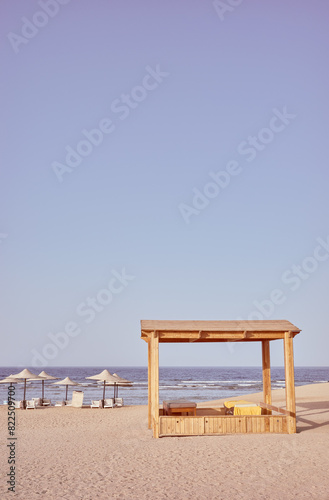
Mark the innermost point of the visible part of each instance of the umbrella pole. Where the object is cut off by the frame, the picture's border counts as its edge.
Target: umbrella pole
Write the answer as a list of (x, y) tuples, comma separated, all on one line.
[(103, 395), (66, 392), (43, 391), (24, 402)]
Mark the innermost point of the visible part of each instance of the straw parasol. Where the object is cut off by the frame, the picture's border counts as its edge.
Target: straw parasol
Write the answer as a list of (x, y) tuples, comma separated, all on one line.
[(9, 380), (66, 381), (45, 376), (26, 375), (106, 378), (120, 381)]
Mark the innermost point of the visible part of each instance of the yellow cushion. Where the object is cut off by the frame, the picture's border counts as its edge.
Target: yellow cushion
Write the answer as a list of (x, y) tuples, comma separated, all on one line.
[(230, 404), (242, 407)]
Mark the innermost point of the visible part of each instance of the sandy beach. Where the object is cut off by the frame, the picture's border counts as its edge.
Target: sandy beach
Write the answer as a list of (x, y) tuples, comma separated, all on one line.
[(71, 453)]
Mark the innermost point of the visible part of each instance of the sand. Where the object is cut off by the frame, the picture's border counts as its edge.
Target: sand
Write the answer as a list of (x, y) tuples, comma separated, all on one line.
[(69, 453)]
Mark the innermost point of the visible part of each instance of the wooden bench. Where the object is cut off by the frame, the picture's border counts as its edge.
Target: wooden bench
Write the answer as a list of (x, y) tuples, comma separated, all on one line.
[(179, 407)]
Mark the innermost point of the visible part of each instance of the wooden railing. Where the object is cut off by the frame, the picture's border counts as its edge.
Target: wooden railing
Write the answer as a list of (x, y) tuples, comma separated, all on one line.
[(223, 424), (277, 409)]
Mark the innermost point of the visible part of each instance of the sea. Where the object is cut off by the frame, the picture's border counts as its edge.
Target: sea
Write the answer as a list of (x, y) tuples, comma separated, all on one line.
[(198, 384)]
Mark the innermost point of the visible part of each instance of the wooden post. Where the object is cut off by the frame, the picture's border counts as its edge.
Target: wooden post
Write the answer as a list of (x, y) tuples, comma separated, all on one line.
[(290, 381), (266, 374), (155, 383), (149, 384)]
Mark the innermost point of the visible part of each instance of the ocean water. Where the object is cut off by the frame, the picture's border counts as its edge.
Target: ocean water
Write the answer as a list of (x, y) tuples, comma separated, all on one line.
[(194, 383)]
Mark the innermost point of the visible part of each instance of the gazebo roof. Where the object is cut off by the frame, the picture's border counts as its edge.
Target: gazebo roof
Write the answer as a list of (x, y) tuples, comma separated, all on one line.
[(217, 331)]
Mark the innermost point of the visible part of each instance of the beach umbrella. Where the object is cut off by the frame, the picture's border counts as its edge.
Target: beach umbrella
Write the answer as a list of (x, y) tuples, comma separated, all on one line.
[(44, 376), (26, 375), (104, 377), (120, 381), (9, 380), (66, 381)]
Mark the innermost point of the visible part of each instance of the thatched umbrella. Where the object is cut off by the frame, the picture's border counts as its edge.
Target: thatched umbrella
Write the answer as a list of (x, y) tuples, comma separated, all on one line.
[(44, 376), (9, 380), (66, 381), (120, 381), (106, 378), (26, 375)]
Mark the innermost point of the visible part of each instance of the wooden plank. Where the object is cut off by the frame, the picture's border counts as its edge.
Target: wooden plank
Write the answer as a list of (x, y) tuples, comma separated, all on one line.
[(277, 428), (193, 426), (162, 426), (284, 425), (279, 424), (243, 425), (198, 425), (267, 424), (194, 337), (277, 409), (149, 384), (151, 340), (181, 426), (218, 336), (178, 426), (266, 364), (188, 426), (187, 337), (155, 383), (290, 380), (218, 326)]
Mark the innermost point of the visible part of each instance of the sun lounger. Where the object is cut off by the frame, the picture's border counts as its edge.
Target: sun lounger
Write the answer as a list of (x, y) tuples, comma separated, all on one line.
[(18, 404), (31, 404), (60, 403), (46, 402), (108, 403), (118, 402), (96, 404)]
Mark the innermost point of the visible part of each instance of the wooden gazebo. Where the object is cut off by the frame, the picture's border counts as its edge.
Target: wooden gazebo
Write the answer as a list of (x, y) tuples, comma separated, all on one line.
[(214, 421)]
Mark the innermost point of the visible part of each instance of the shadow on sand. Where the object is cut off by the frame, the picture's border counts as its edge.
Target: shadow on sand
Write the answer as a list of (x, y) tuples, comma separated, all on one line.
[(311, 415)]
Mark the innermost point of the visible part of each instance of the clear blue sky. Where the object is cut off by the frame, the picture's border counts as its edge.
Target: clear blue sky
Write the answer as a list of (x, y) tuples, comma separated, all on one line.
[(182, 91)]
